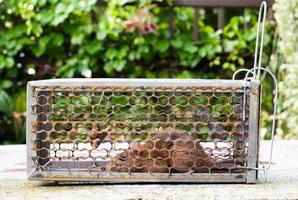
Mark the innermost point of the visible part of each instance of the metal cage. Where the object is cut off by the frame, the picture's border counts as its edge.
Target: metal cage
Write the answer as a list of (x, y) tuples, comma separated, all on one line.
[(143, 130), (148, 130)]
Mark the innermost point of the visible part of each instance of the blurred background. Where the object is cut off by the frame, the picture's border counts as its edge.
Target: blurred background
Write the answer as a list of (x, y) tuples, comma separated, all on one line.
[(43, 39)]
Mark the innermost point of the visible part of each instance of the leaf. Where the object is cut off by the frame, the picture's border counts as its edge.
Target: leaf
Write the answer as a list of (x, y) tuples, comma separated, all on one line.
[(111, 53), (241, 61), (21, 102), (177, 43), (67, 70), (41, 46), (62, 12), (5, 84), (184, 74), (2, 65), (203, 52), (37, 29), (6, 105), (57, 39), (109, 67), (93, 47), (162, 45), (101, 35), (77, 38), (169, 2), (123, 52), (6, 62), (250, 35), (46, 17), (218, 108), (117, 65), (191, 48), (87, 73), (60, 8)]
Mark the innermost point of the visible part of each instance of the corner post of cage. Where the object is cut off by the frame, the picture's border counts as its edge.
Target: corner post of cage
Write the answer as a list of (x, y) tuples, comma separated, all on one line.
[(253, 130), (29, 139), (260, 125)]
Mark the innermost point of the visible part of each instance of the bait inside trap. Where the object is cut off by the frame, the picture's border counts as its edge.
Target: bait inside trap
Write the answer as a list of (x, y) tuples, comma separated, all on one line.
[(143, 130)]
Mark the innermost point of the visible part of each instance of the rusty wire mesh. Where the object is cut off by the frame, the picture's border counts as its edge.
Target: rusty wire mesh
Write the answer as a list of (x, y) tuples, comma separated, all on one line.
[(142, 131)]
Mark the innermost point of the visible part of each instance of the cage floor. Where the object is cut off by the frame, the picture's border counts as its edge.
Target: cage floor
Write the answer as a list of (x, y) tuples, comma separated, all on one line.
[(100, 166), (64, 171)]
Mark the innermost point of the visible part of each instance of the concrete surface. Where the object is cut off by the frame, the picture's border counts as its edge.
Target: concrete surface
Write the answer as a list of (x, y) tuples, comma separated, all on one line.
[(282, 182)]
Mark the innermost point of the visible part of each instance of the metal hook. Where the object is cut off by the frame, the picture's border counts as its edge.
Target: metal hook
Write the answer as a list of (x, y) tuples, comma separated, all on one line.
[(238, 71)]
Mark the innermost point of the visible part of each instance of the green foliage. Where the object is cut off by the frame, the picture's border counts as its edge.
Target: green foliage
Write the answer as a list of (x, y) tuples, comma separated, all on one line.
[(130, 109), (78, 38), (12, 118), (286, 14)]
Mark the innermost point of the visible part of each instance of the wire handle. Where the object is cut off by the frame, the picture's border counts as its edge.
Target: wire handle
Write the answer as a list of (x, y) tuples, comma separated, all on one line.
[(255, 72), (275, 103), (260, 39)]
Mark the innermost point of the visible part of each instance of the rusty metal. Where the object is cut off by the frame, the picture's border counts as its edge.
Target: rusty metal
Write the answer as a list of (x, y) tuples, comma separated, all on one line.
[(210, 3), (138, 129)]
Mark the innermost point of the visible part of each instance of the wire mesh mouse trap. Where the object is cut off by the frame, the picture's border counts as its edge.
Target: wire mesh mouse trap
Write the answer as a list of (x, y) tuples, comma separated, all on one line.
[(143, 130), (147, 130)]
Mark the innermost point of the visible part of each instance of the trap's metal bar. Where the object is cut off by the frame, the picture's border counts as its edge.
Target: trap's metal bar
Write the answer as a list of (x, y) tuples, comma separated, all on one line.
[(158, 178), (58, 89), (112, 82)]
